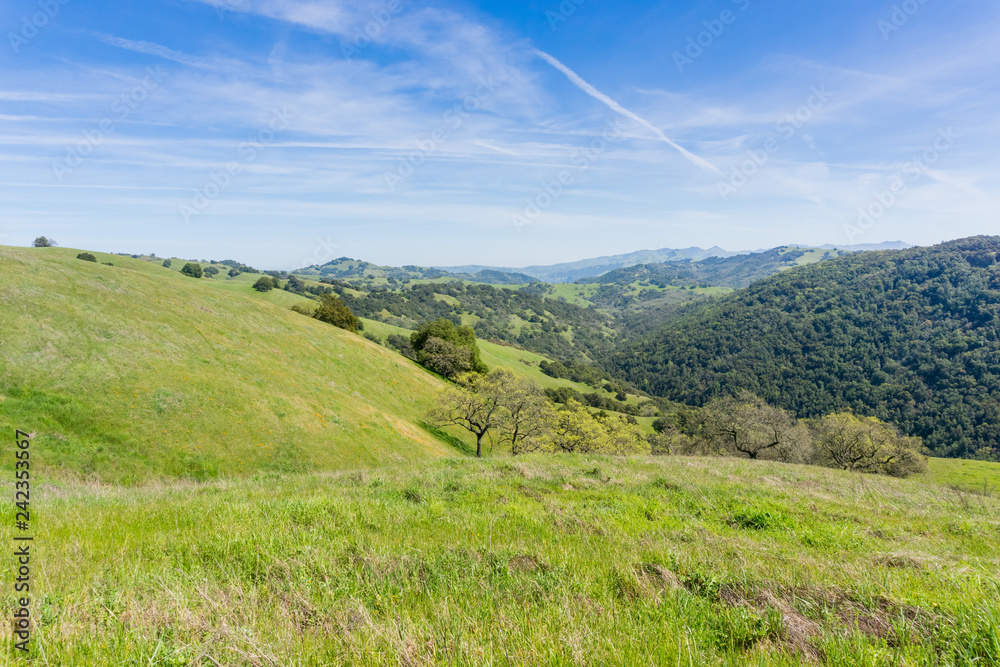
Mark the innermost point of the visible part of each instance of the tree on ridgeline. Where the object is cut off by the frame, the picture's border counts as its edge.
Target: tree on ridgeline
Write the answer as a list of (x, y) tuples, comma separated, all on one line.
[(43, 242)]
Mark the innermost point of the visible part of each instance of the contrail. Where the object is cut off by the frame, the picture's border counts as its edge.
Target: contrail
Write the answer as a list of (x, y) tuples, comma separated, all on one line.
[(598, 95)]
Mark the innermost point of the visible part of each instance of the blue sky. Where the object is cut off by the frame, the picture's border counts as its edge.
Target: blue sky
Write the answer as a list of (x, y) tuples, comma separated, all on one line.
[(285, 132)]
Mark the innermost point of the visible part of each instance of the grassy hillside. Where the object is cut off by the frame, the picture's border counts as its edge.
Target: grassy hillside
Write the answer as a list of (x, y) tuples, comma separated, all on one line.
[(532, 561), (134, 370), (910, 336), (981, 477), (522, 362)]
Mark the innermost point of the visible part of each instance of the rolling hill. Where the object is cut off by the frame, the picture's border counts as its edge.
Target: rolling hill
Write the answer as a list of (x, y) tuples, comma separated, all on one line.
[(910, 336), (368, 274), (568, 272), (134, 371)]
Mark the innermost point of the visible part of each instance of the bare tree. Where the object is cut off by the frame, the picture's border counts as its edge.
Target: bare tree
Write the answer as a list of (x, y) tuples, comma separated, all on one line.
[(746, 425), (475, 404), (526, 414), (866, 444)]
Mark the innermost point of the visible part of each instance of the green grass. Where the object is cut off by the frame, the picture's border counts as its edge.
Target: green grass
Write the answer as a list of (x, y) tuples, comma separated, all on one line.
[(134, 371), (557, 560), (979, 476), (578, 295)]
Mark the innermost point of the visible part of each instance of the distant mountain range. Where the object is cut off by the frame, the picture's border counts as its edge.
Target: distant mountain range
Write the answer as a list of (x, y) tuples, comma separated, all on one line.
[(569, 272), (346, 268)]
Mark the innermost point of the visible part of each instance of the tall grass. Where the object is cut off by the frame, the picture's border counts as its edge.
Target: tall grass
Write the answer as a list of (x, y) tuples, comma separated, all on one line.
[(530, 561)]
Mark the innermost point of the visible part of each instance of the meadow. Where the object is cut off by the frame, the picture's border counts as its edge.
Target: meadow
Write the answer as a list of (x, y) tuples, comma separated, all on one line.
[(133, 372), (561, 560)]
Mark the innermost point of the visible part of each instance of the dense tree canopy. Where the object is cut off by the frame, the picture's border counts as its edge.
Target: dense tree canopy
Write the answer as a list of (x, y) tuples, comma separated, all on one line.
[(909, 336), (519, 317)]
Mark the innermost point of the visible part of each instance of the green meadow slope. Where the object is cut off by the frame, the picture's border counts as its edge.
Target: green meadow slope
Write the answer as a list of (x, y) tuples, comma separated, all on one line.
[(131, 371), (539, 560)]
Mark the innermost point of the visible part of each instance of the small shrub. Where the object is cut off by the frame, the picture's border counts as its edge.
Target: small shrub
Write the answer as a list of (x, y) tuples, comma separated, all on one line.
[(192, 270), (211, 271), (372, 337), (87, 257), (263, 284), (306, 309)]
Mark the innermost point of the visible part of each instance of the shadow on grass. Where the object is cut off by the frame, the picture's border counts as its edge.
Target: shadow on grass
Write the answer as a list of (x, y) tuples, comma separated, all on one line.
[(448, 438)]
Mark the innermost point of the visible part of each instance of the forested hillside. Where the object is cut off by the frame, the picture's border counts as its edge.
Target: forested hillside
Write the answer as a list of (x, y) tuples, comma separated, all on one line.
[(910, 336), (736, 271), (519, 317)]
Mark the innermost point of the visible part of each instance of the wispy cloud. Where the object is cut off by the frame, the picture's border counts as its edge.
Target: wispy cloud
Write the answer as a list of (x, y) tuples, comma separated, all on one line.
[(617, 108)]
